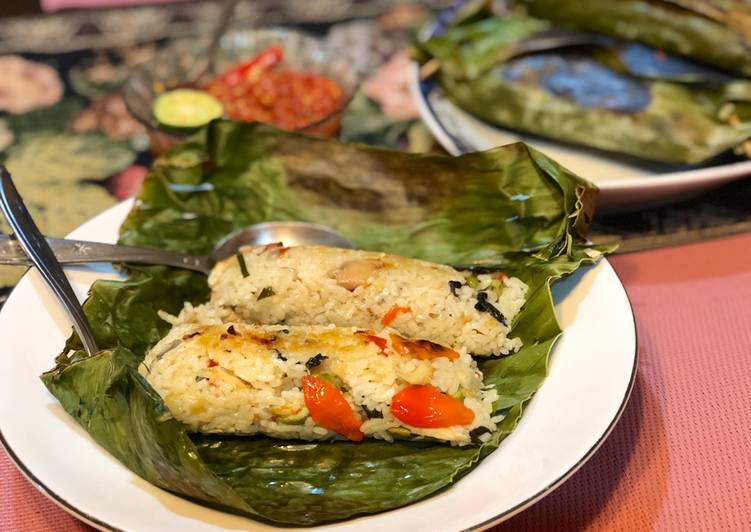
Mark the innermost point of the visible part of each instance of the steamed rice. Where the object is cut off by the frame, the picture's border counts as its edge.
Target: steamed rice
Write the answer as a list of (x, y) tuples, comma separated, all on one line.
[(318, 285), (246, 379)]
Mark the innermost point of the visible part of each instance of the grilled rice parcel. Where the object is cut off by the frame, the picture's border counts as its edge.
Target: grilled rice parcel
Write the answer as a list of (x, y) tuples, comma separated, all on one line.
[(317, 343), (318, 285), (318, 382)]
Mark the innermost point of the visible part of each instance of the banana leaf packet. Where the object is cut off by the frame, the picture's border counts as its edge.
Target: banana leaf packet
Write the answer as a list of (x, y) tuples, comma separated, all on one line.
[(509, 208), (603, 93), (715, 32)]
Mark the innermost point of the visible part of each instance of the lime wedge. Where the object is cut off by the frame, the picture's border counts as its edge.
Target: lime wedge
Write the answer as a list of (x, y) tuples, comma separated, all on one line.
[(186, 109)]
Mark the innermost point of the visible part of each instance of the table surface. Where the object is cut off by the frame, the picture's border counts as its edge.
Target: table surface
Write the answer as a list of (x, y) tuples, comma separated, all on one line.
[(678, 459)]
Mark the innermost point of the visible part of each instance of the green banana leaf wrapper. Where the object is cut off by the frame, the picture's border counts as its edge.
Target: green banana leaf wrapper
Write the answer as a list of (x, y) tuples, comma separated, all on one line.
[(716, 32), (613, 95), (511, 207)]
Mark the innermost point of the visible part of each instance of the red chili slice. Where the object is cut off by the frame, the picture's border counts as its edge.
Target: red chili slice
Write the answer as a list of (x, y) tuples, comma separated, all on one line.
[(392, 313), (329, 408), (422, 349), (274, 246), (426, 407), (266, 59), (380, 342)]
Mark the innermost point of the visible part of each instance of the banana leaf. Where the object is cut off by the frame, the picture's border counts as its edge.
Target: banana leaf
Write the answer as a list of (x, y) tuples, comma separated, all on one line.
[(471, 48), (714, 32), (619, 97), (510, 207)]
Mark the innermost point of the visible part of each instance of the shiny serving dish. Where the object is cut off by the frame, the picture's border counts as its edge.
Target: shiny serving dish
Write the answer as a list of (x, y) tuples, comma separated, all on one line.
[(183, 63)]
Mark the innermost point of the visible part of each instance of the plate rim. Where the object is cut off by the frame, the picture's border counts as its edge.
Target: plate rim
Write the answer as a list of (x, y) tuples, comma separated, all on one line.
[(91, 520), (532, 500), (17, 462)]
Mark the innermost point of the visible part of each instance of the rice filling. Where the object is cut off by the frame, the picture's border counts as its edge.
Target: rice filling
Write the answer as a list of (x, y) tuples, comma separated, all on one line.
[(318, 285), (249, 379)]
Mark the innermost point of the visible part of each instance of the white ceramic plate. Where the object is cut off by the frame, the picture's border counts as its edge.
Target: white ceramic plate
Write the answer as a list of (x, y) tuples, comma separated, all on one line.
[(591, 374), (623, 186)]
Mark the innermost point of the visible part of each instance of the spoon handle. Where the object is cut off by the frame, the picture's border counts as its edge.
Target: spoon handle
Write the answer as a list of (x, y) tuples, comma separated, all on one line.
[(79, 252), (225, 17), (43, 258), (206, 67)]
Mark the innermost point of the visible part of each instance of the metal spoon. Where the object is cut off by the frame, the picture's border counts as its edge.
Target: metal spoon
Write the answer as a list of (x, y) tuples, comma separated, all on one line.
[(225, 16), (77, 251), (40, 254)]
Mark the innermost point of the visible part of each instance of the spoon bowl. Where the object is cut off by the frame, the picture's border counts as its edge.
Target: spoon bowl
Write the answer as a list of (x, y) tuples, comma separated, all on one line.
[(288, 233)]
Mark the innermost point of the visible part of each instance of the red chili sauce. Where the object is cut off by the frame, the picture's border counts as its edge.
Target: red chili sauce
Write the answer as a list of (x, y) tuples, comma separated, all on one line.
[(261, 90)]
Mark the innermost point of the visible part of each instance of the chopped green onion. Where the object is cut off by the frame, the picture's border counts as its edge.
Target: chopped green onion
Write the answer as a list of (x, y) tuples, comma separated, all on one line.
[(315, 361), (398, 432), (372, 414), (333, 380), (266, 292), (295, 419), (243, 266)]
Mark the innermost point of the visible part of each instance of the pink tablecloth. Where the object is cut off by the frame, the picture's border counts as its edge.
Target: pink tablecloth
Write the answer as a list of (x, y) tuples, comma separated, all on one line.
[(680, 457)]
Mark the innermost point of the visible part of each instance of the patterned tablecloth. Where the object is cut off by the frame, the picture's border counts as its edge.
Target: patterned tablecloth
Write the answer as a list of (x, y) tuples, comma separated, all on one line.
[(677, 460), (68, 139)]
